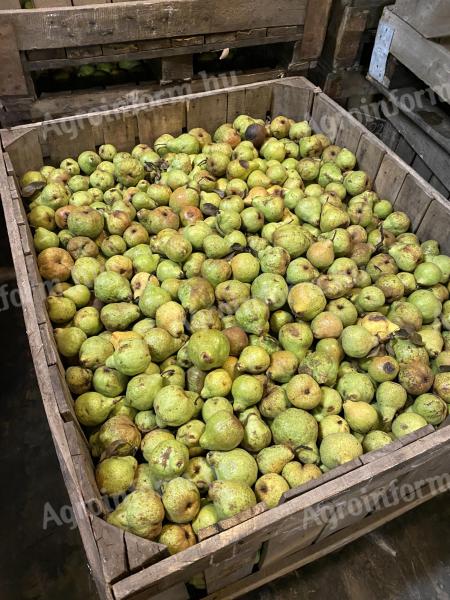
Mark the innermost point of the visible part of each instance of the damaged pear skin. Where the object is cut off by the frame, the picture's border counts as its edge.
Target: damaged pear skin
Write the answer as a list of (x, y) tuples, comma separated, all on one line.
[(237, 312)]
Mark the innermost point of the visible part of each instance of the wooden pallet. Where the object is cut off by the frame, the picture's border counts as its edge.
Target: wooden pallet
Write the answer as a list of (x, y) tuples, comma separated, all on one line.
[(171, 32), (428, 59), (298, 531)]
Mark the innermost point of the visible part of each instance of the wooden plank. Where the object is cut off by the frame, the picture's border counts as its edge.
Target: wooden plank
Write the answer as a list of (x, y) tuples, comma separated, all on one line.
[(331, 544), (210, 110), (190, 40), (214, 38), (23, 149), (62, 394), (46, 54), (254, 33), (430, 18), (235, 102), (349, 133), (293, 99), (147, 20), (51, 3), (326, 116), (64, 143), (413, 199), (405, 151), (420, 107), (168, 118), (348, 37), (52, 414), (315, 27), (258, 101), (121, 131), (176, 68), (225, 524), (421, 168), (428, 60), (12, 81), (141, 553), (6, 4), (435, 224), (390, 176), (439, 186), (84, 51), (429, 152), (111, 546), (231, 569)]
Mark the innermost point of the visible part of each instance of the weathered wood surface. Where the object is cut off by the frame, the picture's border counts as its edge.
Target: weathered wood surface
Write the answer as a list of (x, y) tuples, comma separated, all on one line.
[(122, 22), (428, 60), (12, 80), (430, 18)]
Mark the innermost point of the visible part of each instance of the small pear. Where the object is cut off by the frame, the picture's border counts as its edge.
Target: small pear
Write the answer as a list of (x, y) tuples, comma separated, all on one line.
[(200, 472), (339, 448), (223, 432), (189, 434), (246, 390), (206, 517), (361, 416), (141, 513), (375, 439), (115, 475), (274, 458), (406, 423), (269, 489), (93, 408), (297, 474), (181, 500), (391, 397), (217, 383), (168, 459), (297, 429), (231, 498), (235, 465), (173, 407), (177, 537)]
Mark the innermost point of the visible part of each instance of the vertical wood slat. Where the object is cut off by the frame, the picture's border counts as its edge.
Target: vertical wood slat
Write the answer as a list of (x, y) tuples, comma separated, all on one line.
[(369, 154), (24, 150), (326, 116), (165, 118), (413, 199), (316, 20), (210, 110), (293, 101), (390, 177), (436, 224), (12, 80)]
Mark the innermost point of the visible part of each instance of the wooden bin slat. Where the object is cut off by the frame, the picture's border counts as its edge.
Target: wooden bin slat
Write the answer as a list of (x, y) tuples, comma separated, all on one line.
[(305, 511), (145, 20)]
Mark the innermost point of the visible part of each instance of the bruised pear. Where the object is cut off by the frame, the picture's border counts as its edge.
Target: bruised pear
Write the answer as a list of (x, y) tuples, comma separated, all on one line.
[(231, 497), (140, 513)]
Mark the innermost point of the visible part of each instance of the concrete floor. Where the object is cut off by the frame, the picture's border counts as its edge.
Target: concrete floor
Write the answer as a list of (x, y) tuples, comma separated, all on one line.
[(408, 559)]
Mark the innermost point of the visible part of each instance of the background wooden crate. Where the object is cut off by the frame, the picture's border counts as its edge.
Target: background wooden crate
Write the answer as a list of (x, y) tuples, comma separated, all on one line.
[(413, 72), (259, 545), (170, 32), (345, 58)]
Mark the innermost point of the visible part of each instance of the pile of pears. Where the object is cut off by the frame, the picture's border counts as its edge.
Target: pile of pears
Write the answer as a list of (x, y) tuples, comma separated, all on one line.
[(237, 314)]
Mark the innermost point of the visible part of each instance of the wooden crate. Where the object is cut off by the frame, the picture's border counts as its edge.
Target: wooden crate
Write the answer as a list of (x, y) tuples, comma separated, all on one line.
[(398, 40), (248, 550), (342, 67), (351, 23), (168, 32), (431, 18)]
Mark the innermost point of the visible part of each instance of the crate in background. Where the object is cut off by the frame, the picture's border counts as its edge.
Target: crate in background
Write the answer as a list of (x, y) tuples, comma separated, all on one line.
[(176, 40)]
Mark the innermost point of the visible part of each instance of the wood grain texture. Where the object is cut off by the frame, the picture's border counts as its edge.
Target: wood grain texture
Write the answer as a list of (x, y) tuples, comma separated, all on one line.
[(12, 80), (316, 21), (151, 19), (431, 18)]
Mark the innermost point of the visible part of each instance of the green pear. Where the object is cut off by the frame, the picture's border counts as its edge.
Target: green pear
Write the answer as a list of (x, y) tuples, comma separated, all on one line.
[(177, 537), (269, 489), (375, 439), (257, 434), (297, 429), (361, 416), (92, 408), (140, 513), (231, 498), (115, 475), (297, 474), (173, 407), (142, 389), (391, 398), (274, 458), (206, 517), (406, 423), (168, 459), (189, 434), (200, 472), (223, 432), (339, 448), (120, 434), (181, 500), (235, 465)]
